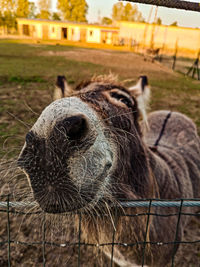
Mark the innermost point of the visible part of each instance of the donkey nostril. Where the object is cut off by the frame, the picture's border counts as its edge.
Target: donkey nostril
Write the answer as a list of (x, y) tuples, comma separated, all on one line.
[(75, 127)]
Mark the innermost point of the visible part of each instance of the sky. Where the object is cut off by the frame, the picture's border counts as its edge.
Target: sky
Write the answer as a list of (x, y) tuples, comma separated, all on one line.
[(167, 15)]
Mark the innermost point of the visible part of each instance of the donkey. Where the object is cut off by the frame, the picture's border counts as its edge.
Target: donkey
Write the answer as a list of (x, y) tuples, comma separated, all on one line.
[(152, 54), (140, 90), (87, 151)]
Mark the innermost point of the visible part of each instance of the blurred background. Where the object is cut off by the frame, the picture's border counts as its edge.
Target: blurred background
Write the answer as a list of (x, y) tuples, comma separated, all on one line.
[(76, 38)]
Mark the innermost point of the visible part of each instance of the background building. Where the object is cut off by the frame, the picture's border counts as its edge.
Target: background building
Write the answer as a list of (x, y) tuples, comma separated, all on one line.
[(160, 36), (131, 34), (62, 30)]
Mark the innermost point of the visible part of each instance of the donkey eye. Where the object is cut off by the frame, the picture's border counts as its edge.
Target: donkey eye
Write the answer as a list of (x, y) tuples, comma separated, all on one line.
[(121, 98)]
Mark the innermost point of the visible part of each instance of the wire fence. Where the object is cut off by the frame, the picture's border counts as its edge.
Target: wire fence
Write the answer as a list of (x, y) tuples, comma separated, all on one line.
[(9, 207), (176, 59), (183, 65)]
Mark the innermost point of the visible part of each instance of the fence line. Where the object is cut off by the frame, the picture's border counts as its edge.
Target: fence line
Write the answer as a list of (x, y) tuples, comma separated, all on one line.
[(8, 207), (126, 204)]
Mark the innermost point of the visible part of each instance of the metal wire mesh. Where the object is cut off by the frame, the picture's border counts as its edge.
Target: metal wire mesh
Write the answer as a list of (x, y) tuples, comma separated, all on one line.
[(9, 207)]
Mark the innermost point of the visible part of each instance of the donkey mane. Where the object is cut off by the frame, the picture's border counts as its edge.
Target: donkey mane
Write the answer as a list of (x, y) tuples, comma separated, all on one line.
[(104, 79)]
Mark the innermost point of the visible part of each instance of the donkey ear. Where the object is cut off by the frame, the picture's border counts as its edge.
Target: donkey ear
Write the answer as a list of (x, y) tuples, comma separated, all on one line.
[(140, 87), (141, 91), (62, 88)]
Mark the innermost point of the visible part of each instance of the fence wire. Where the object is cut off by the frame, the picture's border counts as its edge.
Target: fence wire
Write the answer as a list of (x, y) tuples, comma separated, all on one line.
[(10, 207)]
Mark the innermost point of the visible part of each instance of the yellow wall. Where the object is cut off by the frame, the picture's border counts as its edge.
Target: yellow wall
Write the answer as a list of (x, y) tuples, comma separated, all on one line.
[(167, 36), (54, 32), (93, 35), (93, 32), (38, 33)]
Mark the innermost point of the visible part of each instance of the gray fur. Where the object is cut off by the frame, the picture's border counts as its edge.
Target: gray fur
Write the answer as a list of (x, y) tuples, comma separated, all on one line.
[(136, 168), (176, 167)]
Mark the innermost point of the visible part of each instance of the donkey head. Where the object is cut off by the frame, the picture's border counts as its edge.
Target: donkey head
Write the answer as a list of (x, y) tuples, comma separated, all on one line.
[(87, 148)]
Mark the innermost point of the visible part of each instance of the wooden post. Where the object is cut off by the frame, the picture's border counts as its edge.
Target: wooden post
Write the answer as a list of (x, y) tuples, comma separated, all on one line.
[(153, 29), (175, 55), (146, 28), (198, 69), (163, 46), (195, 67)]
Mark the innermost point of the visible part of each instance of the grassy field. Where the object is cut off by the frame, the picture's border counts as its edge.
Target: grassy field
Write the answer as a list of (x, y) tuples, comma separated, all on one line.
[(27, 76)]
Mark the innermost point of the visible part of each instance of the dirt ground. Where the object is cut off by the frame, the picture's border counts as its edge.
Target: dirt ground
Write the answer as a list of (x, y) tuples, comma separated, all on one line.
[(22, 100), (129, 63)]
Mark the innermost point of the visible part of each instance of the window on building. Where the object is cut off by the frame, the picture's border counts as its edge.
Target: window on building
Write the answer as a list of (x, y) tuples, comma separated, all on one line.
[(72, 31), (53, 29), (91, 33)]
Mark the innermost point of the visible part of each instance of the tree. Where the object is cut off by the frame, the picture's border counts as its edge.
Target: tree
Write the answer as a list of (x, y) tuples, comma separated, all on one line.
[(32, 10), (73, 10), (55, 16), (126, 12), (8, 18), (117, 11), (7, 5), (106, 21), (2, 19), (175, 23), (44, 7), (22, 9)]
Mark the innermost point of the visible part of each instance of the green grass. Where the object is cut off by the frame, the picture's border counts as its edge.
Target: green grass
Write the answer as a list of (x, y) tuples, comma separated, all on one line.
[(27, 78), (182, 94), (21, 60), (27, 81)]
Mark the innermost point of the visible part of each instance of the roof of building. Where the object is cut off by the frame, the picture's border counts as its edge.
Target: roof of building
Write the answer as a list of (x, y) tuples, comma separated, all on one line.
[(69, 22), (161, 25)]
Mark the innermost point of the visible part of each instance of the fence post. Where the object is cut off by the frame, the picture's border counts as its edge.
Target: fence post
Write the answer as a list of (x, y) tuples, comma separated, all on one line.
[(146, 28), (177, 231), (153, 29), (79, 240), (175, 55), (113, 237), (43, 240), (8, 227), (146, 232), (195, 67)]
